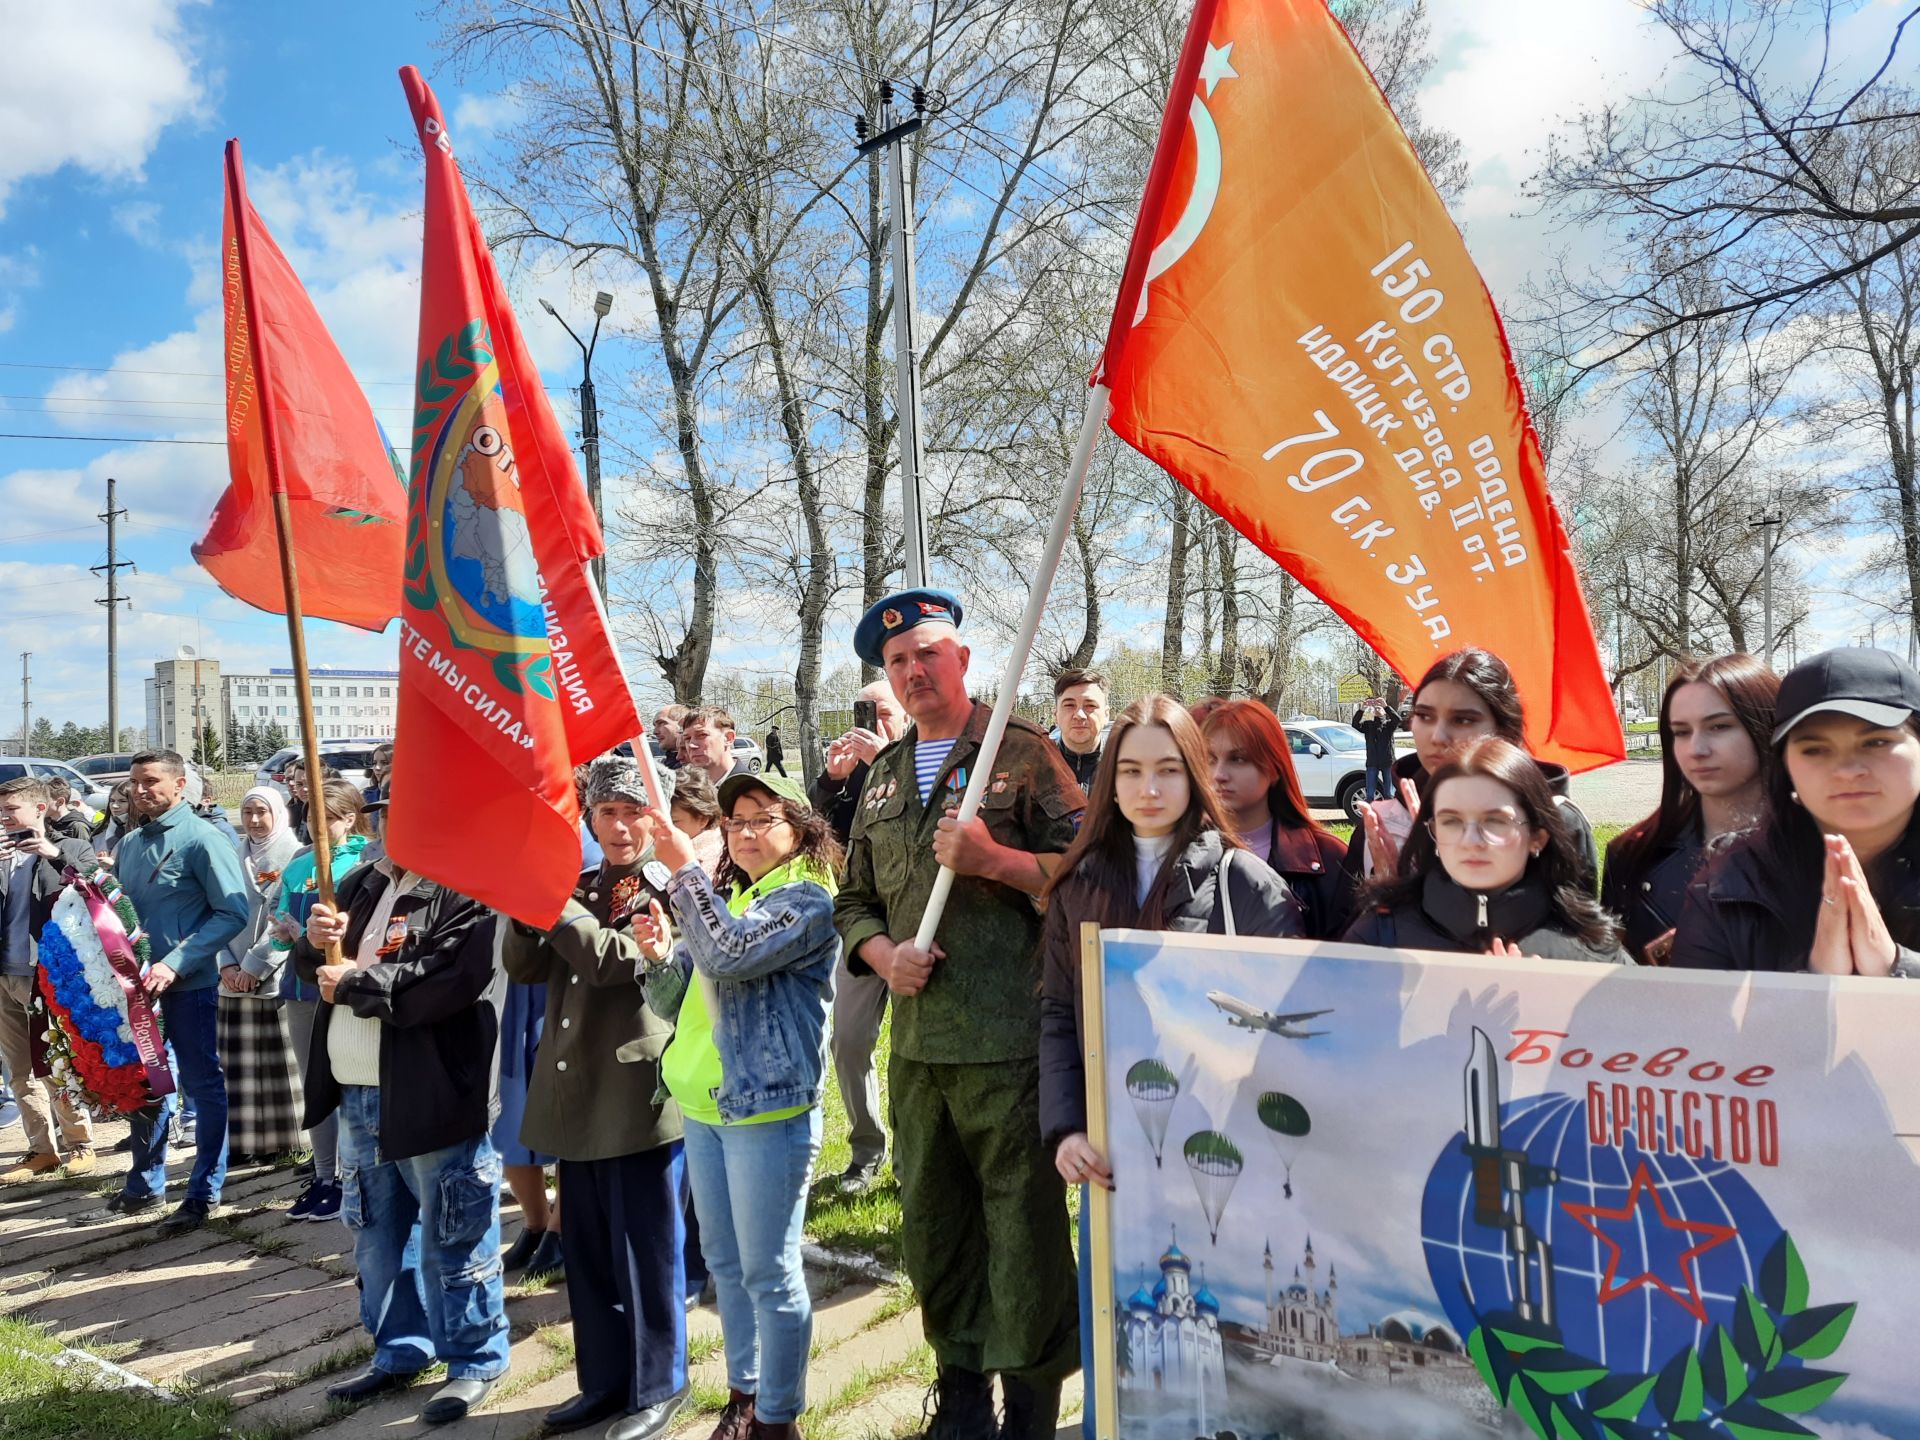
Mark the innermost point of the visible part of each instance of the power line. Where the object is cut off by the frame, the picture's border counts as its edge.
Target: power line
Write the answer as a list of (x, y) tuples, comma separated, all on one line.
[(109, 439)]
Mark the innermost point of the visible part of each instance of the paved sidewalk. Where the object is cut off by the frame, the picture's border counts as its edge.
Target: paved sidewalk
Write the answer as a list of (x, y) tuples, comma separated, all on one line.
[(260, 1311)]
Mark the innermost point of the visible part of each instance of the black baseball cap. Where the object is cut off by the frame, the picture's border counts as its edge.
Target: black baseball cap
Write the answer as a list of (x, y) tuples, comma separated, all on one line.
[(1867, 684)]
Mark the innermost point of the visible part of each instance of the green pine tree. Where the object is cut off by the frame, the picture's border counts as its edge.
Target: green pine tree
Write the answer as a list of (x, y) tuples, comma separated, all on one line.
[(209, 748)]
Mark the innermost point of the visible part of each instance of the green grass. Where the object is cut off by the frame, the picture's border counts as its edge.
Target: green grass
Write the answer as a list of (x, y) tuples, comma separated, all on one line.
[(866, 1224), (43, 1401)]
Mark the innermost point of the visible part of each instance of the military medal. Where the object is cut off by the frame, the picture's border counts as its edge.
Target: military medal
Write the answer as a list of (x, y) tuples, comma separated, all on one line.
[(621, 904), (396, 935)]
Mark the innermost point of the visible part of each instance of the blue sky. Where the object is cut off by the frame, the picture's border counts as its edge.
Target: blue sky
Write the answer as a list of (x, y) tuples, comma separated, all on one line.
[(111, 126)]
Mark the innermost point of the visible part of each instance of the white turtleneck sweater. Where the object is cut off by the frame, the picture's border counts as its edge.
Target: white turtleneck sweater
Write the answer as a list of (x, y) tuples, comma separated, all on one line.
[(1148, 856)]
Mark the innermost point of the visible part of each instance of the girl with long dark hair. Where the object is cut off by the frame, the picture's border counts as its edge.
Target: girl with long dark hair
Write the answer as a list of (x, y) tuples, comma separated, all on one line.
[(1716, 732), (1156, 851), (1254, 777), (1492, 868), (1466, 696), (1831, 880)]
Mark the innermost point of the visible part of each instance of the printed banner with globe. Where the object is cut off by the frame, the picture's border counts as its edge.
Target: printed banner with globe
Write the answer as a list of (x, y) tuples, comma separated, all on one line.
[(1366, 1193)]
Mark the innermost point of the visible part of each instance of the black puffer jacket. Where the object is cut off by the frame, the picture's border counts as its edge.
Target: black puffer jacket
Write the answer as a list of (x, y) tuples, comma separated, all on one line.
[(1558, 778), (1262, 905), (1451, 918), (1736, 917)]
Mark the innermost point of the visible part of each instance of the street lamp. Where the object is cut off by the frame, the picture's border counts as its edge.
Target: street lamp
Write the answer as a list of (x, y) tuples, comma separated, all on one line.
[(589, 416)]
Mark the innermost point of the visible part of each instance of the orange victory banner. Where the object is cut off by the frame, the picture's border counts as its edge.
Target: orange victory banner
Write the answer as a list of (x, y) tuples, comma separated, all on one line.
[(1303, 341)]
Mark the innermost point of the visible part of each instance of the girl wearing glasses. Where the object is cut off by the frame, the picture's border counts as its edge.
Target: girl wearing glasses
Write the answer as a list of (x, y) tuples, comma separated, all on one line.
[(1152, 853), (749, 986), (1492, 867), (1716, 726), (1463, 697)]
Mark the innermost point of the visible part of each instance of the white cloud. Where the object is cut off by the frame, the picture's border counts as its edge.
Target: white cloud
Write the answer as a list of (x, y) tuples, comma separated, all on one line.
[(92, 86)]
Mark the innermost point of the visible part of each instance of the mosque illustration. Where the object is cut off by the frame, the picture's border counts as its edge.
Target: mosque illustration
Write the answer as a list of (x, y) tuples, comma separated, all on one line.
[(1174, 1345)]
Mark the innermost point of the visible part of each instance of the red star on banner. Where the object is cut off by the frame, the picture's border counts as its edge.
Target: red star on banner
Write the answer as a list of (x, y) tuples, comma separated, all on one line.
[(1611, 1286)]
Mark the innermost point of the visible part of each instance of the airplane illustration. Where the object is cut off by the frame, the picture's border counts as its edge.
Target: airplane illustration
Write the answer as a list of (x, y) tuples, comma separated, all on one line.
[(1247, 1017)]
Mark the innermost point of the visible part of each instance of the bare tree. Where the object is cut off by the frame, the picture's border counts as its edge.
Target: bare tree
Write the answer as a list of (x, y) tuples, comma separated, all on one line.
[(1395, 38), (1734, 167)]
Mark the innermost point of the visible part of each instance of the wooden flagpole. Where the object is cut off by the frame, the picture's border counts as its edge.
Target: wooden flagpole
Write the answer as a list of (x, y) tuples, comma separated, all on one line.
[(1097, 1214), (283, 533)]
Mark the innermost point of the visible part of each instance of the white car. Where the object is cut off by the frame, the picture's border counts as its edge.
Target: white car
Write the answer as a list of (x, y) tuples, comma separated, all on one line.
[(1331, 761), (89, 793), (352, 758)]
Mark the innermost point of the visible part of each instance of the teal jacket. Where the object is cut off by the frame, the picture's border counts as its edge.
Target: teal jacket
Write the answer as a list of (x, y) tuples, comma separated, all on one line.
[(185, 882)]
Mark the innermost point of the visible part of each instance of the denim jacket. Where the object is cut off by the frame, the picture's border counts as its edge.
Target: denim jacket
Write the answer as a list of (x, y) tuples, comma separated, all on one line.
[(771, 966)]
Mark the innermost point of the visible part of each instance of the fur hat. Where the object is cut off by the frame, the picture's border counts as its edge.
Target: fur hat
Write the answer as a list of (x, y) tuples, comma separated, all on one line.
[(616, 777)]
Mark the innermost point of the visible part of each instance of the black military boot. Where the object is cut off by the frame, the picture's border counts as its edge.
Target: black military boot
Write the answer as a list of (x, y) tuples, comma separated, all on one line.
[(1031, 1411), (960, 1406)]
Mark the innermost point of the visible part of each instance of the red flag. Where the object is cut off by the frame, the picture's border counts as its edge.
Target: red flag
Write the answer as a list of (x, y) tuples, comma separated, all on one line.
[(1303, 341), (507, 674), (297, 423)]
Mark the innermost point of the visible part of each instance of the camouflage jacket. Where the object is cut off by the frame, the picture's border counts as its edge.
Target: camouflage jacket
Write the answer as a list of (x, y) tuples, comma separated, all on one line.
[(983, 1000)]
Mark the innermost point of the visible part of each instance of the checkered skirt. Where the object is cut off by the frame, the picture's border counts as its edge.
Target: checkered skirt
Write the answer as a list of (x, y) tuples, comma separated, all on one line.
[(263, 1112)]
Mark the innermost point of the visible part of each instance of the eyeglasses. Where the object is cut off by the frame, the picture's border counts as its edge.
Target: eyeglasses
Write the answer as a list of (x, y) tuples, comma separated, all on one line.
[(754, 824), (1458, 829)]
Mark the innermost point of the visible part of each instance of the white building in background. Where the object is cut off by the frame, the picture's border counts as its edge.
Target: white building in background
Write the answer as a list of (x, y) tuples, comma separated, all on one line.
[(347, 704), (188, 692)]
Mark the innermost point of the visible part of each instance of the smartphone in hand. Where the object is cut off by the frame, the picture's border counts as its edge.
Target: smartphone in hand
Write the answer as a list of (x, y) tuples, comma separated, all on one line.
[(866, 715)]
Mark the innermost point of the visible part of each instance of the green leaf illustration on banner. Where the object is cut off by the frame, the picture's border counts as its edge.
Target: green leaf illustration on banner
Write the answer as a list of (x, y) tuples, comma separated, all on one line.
[(1739, 1384), (1817, 1332)]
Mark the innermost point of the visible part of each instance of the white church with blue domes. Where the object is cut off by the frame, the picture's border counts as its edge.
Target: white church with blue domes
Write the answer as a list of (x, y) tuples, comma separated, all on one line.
[(1172, 1344)]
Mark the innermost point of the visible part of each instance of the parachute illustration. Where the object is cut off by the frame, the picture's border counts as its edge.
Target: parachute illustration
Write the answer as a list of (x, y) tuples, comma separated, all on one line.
[(1288, 1125), (1215, 1163), (1153, 1089)]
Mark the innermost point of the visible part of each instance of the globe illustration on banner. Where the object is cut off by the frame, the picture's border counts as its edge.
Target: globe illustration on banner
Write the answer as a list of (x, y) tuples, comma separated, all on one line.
[(1647, 1252)]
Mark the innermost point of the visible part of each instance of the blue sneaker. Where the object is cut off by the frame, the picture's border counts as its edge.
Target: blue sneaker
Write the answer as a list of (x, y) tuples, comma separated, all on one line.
[(326, 1201)]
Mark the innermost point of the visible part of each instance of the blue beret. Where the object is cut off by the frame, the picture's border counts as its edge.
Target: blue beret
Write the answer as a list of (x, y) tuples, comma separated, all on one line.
[(899, 613)]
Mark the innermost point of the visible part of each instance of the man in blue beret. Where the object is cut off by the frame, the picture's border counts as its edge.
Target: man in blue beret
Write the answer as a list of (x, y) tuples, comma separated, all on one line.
[(985, 1233)]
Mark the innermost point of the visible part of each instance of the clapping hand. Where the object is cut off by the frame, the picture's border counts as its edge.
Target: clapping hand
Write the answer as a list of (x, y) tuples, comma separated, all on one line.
[(1383, 847), (652, 933)]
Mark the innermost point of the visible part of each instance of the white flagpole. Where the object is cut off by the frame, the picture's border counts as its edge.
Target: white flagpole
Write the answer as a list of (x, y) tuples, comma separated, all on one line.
[(1096, 417)]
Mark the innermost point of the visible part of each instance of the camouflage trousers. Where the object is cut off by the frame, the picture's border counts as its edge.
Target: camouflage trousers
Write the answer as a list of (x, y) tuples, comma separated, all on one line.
[(984, 1214)]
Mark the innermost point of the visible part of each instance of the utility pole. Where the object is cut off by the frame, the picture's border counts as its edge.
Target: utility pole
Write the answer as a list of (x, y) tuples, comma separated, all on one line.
[(113, 602), (26, 702), (1768, 522), (909, 416), (590, 419)]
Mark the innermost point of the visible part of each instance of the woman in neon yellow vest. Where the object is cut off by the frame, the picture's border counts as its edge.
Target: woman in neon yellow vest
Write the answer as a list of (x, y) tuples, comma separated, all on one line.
[(749, 986)]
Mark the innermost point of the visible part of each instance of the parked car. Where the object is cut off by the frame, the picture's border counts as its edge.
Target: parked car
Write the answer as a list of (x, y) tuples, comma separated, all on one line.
[(91, 792), (1331, 760), (108, 770), (352, 758), (745, 752)]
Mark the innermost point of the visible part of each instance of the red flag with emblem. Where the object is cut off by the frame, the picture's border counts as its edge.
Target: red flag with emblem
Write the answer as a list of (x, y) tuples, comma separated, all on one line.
[(298, 424), (508, 677), (1302, 340)]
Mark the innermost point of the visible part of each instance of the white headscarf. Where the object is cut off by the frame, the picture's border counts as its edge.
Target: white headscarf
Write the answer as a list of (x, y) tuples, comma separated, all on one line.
[(277, 805)]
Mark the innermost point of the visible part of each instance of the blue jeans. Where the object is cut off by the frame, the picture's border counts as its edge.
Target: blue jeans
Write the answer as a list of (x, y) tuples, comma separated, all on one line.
[(1379, 782), (750, 1189), (192, 1022), (426, 1241)]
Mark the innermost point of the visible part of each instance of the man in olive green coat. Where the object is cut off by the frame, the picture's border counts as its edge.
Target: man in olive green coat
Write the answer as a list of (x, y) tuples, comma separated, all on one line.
[(985, 1222), (596, 1102)]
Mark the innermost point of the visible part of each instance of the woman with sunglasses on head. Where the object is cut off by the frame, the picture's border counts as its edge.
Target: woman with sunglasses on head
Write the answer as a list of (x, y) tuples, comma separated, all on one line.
[(1491, 868), (1463, 697), (1254, 777), (1831, 880), (1716, 729), (1156, 851)]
